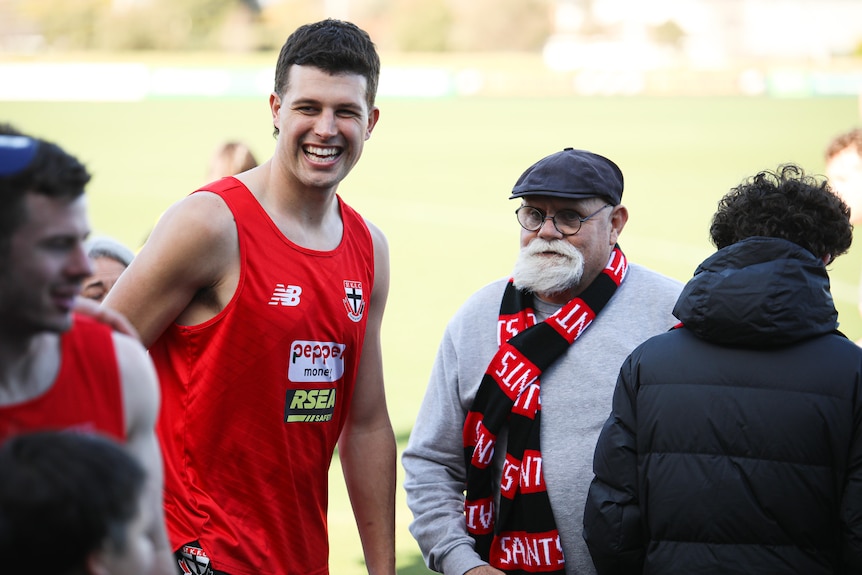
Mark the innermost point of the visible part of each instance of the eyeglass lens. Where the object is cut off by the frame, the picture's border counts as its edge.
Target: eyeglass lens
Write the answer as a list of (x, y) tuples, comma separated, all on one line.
[(567, 222), (531, 219)]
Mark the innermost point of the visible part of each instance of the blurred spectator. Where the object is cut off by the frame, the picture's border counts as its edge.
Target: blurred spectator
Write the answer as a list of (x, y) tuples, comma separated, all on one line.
[(60, 369), (108, 259), (844, 171), (230, 159), (72, 504)]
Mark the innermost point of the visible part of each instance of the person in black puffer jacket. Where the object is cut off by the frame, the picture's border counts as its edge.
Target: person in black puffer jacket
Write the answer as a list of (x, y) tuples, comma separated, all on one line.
[(735, 440)]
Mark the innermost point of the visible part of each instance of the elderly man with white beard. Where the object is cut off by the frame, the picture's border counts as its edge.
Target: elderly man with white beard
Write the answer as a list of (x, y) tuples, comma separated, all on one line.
[(500, 459)]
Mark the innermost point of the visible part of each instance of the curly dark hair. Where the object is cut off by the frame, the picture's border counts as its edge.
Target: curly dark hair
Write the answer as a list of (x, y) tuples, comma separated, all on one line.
[(785, 204)]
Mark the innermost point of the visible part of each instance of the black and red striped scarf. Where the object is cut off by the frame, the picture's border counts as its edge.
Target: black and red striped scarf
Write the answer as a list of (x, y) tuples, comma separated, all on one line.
[(523, 537)]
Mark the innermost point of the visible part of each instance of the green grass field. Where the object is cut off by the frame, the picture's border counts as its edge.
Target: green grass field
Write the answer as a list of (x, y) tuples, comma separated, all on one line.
[(436, 176)]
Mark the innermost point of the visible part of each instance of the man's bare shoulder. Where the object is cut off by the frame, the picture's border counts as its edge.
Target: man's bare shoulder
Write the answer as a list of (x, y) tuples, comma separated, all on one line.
[(203, 212), (133, 358), (192, 231), (377, 235), (381, 261), (378, 240), (138, 380), (193, 249)]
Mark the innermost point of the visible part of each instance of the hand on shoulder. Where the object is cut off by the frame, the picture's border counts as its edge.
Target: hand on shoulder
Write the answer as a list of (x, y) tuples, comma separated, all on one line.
[(112, 318)]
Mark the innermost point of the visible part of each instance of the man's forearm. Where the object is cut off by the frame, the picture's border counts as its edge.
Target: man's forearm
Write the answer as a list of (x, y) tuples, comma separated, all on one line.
[(368, 461)]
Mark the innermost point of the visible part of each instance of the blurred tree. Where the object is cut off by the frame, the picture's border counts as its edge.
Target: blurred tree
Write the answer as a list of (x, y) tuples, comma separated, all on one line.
[(144, 27), (668, 33), (279, 19), (376, 17), (143, 24), (202, 18), (239, 31), (72, 24), (507, 25), (422, 25), (241, 25)]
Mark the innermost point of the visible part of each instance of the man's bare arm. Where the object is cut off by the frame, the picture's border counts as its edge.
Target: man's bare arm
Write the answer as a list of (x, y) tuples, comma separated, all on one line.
[(192, 248), (141, 404), (367, 444)]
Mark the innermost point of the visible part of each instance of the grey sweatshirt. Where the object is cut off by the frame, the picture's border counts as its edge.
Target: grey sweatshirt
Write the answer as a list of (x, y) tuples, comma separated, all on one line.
[(576, 394)]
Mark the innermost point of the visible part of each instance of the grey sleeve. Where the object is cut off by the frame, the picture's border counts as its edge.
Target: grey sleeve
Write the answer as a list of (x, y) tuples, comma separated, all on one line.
[(435, 470)]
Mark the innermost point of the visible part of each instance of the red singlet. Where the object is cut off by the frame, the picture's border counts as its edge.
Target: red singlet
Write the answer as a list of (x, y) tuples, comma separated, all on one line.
[(86, 394), (253, 400)]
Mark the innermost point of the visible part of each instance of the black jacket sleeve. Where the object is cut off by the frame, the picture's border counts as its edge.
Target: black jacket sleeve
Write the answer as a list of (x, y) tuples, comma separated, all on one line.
[(851, 513), (612, 516)]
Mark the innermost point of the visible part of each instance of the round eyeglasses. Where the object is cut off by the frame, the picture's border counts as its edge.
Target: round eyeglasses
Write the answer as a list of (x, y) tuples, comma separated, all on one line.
[(567, 222)]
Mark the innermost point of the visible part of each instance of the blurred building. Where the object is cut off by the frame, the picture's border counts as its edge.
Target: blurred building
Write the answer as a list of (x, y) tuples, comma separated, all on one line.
[(701, 33)]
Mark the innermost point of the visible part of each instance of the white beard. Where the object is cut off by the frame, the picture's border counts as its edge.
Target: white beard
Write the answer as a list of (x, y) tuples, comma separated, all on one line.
[(540, 273)]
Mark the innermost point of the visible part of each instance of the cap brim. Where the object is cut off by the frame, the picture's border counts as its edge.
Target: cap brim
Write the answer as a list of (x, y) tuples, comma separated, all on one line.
[(555, 195)]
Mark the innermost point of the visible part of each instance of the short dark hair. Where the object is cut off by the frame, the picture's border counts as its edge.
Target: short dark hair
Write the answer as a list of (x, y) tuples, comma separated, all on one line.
[(51, 172), (334, 46), (786, 204), (65, 491)]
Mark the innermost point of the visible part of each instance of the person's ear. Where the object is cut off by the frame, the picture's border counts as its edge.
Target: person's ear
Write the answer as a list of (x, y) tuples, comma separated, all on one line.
[(274, 107), (619, 217), (373, 116)]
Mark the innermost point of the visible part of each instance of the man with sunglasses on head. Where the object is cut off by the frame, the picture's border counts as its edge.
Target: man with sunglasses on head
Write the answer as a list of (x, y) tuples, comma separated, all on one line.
[(60, 369), (530, 363)]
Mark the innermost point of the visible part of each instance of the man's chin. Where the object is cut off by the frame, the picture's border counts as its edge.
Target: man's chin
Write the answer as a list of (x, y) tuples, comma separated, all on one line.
[(59, 323)]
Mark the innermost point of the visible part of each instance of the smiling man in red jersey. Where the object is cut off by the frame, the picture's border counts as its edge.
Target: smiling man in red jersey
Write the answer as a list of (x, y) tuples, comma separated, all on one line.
[(261, 299)]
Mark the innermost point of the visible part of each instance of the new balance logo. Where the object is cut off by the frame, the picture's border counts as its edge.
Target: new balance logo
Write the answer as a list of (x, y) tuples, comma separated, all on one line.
[(285, 295)]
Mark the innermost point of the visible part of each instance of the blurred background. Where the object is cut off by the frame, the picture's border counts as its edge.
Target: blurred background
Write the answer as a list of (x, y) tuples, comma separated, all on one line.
[(570, 33), (689, 97), (620, 46)]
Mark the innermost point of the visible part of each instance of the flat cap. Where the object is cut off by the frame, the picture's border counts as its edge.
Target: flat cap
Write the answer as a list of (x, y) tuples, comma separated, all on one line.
[(572, 174)]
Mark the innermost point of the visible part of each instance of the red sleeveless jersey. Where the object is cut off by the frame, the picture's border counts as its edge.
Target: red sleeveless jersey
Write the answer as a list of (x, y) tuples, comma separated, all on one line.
[(253, 400), (86, 394)]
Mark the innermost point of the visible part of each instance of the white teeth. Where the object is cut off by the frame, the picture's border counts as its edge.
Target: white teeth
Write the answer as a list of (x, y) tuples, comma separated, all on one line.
[(321, 152)]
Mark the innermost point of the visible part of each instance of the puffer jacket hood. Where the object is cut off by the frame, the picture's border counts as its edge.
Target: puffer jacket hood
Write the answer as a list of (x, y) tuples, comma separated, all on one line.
[(727, 452), (760, 292)]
